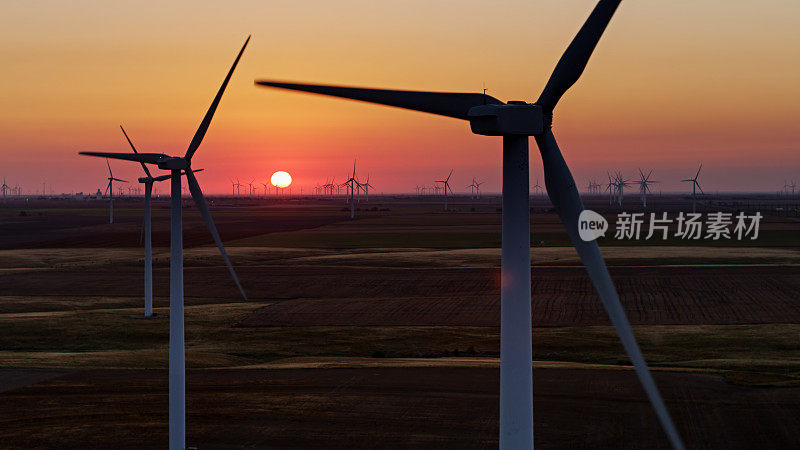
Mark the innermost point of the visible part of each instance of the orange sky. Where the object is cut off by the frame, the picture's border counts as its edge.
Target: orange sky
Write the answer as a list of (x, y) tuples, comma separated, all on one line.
[(671, 84)]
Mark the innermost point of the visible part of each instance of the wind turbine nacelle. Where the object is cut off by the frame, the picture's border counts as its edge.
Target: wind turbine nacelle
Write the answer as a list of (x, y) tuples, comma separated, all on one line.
[(173, 164), (516, 117)]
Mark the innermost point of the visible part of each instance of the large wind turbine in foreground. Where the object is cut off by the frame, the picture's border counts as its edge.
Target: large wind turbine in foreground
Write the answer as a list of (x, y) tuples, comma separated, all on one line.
[(515, 121), (178, 165)]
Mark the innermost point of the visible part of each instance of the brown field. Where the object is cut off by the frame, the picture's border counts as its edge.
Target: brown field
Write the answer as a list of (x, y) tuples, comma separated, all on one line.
[(384, 332), (388, 407), (561, 297)]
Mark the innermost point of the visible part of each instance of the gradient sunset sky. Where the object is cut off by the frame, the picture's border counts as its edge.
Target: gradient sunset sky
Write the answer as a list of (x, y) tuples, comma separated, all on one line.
[(671, 84)]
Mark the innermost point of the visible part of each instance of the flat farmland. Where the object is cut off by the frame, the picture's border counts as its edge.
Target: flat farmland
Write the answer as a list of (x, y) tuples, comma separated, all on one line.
[(562, 296), (388, 407), (383, 332)]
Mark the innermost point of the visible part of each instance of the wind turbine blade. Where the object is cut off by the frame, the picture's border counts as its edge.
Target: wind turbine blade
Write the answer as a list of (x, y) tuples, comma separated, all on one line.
[(565, 198), (450, 175), (698, 171), (450, 104), (110, 174), (146, 170), (149, 158), (449, 188), (201, 130), (163, 177), (576, 56), (202, 206), (698, 187)]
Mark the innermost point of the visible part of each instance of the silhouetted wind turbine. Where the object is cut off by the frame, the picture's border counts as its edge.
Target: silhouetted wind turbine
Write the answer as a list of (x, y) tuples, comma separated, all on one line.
[(478, 188), (110, 190), (472, 187), (178, 165), (644, 186), (446, 187), (621, 184), (611, 187), (5, 188), (148, 181), (536, 187), (366, 189), (695, 186), (515, 121), (352, 183)]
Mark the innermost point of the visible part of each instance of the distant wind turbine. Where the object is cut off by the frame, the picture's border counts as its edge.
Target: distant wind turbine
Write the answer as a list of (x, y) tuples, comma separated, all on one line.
[(611, 187), (110, 190), (515, 121), (536, 187), (367, 187), (621, 184), (644, 185), (446, 187), (472, 187), (5, 188), (695, 186), (352, 184), (178, 165)]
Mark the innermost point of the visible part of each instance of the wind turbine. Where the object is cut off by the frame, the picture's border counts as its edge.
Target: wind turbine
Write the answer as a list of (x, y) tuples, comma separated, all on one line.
[(621, 184), (472, 187), (695, 186), (366, 189), (110, 190), (536, 187), (611, 187), (478, 188), (515, 121), (5, 188), (178, 165), (352, 183), (148, 181), (446, 187), (644, 185)]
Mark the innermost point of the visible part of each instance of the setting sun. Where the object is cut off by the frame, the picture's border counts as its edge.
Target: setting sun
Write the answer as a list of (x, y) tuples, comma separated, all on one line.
[(281, 179)]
